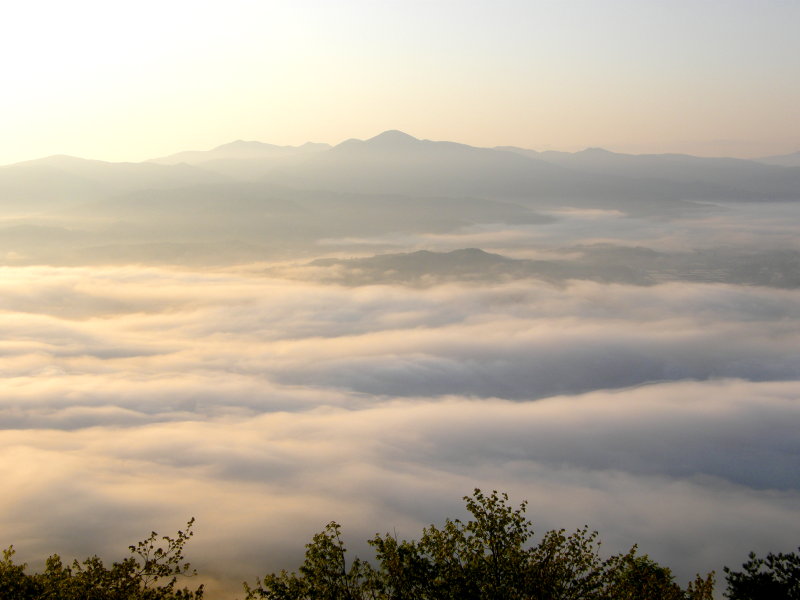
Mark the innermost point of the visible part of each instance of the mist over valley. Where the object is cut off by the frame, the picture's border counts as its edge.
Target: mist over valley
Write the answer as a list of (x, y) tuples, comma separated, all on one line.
[(271, 337)]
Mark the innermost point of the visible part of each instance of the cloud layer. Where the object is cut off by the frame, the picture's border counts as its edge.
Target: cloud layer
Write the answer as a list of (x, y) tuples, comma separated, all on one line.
[(136, 397)]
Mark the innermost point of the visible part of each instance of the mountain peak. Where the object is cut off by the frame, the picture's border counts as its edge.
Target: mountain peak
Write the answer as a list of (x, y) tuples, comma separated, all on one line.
[(392, 137), (245, 145), (387, 141), (596, 151)]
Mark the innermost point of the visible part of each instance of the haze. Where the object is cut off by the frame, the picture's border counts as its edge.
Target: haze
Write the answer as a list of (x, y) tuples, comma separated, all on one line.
[(349, 262), (130, 81)]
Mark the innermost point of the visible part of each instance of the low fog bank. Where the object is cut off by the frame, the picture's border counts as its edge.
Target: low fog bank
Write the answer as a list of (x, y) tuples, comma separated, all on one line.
[(520, 340), (137, 397), (697, 473)]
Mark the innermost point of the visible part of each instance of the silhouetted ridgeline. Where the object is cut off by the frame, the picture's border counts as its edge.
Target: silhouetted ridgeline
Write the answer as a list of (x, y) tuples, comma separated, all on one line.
[(492, 556), (251, 201), (605, 263)]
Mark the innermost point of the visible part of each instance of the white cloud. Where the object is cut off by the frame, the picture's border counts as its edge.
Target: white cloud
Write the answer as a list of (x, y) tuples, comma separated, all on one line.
[(136, 398)]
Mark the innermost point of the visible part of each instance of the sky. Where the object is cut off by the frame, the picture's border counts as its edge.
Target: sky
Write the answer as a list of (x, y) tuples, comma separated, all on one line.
[(128, 81)]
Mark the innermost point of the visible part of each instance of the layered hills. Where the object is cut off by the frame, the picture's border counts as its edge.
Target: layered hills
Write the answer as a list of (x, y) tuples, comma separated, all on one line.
[(248, 200)]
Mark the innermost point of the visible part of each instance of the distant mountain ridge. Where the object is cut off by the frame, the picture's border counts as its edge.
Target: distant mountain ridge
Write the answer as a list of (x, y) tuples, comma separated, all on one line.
[(734, 174), (55, 180), (396, 163), (782, 160), (239, 149), (606, 263), (246, 160)]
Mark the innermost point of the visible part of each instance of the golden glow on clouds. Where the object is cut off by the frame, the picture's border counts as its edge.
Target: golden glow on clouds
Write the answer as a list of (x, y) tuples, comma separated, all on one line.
[(141, 396)]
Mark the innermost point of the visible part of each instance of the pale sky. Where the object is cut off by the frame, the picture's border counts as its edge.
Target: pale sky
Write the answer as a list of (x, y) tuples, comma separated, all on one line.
[(135, 80)]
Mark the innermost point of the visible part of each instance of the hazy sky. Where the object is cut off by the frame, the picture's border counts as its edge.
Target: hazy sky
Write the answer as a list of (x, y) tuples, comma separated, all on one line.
[(135, 80)]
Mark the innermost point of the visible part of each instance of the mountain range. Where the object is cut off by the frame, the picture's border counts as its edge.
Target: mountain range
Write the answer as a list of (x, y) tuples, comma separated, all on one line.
[(249, 200), (397, 163), (606, 263)]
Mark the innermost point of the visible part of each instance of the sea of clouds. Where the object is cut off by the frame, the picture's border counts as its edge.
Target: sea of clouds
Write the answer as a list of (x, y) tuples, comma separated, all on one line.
[(136, 397)]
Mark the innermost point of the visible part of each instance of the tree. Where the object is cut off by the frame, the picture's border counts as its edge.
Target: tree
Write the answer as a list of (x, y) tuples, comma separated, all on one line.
[(14, 583), (632, 577), (566, 567), (323, 575), (775, 577), (404, 573), (150, 573), (490, 557), (482, 558)]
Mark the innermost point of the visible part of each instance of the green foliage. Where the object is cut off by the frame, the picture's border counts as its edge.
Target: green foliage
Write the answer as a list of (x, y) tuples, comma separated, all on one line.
[(632, 577), (490, 557), (14, 583), (566, 566), (405, 572), (775, 577), (150, 573), (323, 576)]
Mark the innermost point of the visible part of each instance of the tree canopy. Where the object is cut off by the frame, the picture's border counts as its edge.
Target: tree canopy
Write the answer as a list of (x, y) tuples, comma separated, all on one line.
[(775, 577), (150, 573), (492, 556)]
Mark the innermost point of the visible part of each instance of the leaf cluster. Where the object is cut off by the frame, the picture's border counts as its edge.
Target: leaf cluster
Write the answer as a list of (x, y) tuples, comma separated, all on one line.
[(489, 557), (774, 577), (150, 573)]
